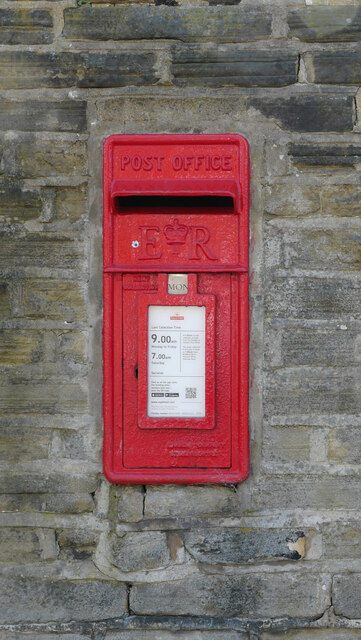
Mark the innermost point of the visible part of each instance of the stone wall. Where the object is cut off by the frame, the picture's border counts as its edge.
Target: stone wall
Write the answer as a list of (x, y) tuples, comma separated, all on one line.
[(279, 555)]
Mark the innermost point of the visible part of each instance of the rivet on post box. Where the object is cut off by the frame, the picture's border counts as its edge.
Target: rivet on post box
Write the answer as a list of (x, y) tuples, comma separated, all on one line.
[(175, 334)]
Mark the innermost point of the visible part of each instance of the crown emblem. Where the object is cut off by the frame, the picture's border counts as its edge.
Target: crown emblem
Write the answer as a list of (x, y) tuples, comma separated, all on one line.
[(175, 235)]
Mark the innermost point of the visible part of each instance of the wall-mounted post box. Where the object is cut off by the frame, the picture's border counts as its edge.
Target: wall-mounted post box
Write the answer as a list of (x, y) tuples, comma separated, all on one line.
[(176, 308)]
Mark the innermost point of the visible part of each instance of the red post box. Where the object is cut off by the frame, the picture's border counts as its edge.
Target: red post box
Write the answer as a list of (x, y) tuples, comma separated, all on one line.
[(176, 308)]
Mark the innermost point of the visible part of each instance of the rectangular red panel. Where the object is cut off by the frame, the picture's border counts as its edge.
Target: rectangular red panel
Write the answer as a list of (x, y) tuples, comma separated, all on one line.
[(176, 395)]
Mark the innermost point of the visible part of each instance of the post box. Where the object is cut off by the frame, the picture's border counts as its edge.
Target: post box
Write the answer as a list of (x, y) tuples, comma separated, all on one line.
[(175, 333)]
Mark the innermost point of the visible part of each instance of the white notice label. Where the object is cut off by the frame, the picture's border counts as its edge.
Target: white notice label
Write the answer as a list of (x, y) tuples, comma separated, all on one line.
[(176, 361)]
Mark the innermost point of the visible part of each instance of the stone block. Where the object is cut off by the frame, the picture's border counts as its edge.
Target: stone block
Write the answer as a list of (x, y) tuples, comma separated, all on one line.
[(313, 634), (171, 501), (43, 115), (330, 156), (42, 397), (252, 595), (334, 67), (325, 23), (307, 491), (51, 157), (292, 199), (23, 545), (53, 299), (335, 248), (20, 444), (65, 503), (341, 200), (344, 445), (5, 309), (78, 445), (346, 595), (293, 345), (235, 546), (20, 347), (222, 65), (29, 69), (312, 297), (18, 205), (141, 551), (44, 250), (308, 112), (29, 635), (76, 544), (315, 391), (36, 600), (162, 634), (177, 114), (219, 24), (70, 204), (126, 503), (341, 540), (26, 26), (286, 444), (45, 477), (70, 346)]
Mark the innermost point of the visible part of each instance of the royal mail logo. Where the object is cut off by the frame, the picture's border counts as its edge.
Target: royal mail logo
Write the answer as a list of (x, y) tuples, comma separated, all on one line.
[(177, 236), (176, 318)]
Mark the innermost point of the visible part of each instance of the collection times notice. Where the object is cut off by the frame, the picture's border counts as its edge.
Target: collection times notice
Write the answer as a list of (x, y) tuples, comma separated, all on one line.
[(176, 362)]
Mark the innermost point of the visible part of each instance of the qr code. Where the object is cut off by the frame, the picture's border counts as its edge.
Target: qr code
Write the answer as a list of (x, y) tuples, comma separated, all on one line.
[(191, 392)]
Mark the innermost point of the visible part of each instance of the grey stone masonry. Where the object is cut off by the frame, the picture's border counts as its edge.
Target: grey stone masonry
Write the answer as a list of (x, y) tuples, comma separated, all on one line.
[(277, 557)]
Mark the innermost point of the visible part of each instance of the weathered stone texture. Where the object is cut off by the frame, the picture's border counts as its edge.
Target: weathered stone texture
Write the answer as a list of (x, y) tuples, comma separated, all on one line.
[(25, 26), (19, 347), (43, 115), (289, 344), (126, 503), (325, 155), (140, 551), (29, 69), (307, 491), (313, 391), (53, 299), (5, 309), (39, 249), (234, 546), (34, 600), (164, 501), (342, 540), (18, 205), (314, 248), (344, 445), (23, 444), (221, 66), (61, 503), (312, 297), (347, 595), (26, 545), (336, 67), (42, 397), (293, 199), (286, 444), (325, 23), (247, 595), (308, 112), (51, 157), (230, 24)]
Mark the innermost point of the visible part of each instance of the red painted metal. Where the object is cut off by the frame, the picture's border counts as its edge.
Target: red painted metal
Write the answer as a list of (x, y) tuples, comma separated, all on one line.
[(175, 204)]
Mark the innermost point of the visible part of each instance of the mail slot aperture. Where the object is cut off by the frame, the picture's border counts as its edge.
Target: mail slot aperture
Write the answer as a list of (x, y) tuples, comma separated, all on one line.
[(176, 308)]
